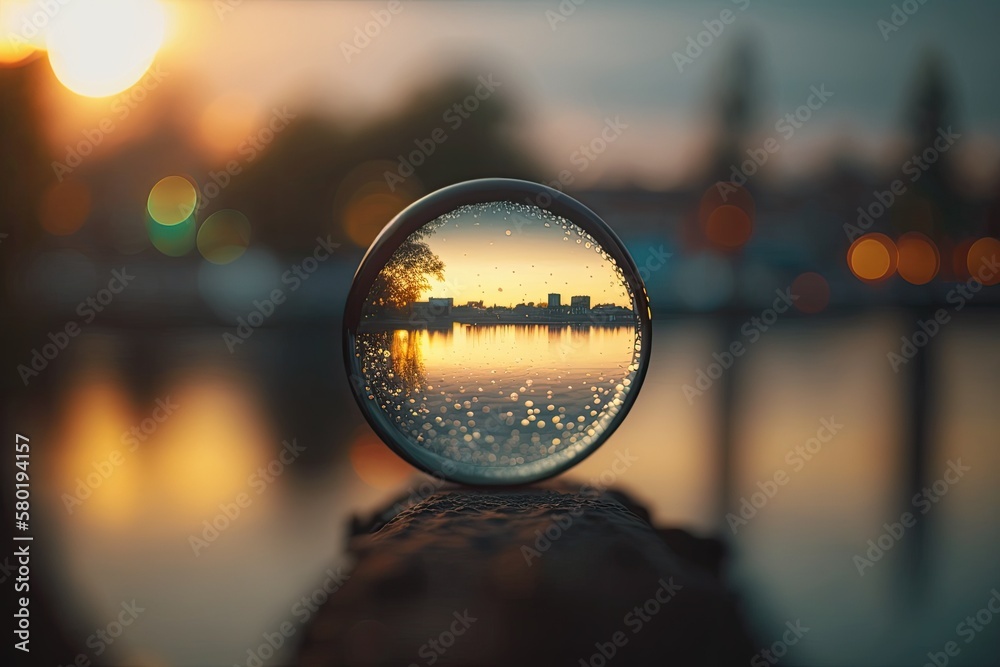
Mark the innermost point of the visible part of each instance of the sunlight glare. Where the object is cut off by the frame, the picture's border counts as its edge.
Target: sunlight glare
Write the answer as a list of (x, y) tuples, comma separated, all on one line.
[(101, 47)]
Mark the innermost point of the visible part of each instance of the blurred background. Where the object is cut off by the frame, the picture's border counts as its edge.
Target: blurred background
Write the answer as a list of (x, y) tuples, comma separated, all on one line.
[(169, 166)]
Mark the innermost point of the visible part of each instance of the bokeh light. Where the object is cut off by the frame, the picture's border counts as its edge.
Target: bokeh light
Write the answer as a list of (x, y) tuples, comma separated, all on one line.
[(872, 257), (172, 200), (364, 202), (728, 227), (366, 216), (982, 258), (919, 259), (959, 254), (172, 240), (101, 47), (725, 193), (64, 207), (224, 236), (376, 464), (813, 292)]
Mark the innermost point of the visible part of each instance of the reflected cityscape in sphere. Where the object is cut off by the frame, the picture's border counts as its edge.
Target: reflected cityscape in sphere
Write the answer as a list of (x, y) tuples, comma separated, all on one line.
[(499, 341)]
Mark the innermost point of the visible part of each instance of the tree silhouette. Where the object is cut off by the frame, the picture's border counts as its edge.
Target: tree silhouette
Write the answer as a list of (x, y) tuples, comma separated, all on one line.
[(736, 105), (408, 272), (928, 112)]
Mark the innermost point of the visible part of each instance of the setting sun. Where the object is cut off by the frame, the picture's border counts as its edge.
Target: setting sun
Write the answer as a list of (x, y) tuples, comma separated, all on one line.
[(101, 47)]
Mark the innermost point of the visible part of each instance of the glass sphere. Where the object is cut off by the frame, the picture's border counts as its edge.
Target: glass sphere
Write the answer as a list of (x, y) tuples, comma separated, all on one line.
[(497, 332)]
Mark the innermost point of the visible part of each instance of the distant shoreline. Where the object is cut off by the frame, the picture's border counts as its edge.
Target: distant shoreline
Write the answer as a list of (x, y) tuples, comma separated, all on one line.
[(448, 323)]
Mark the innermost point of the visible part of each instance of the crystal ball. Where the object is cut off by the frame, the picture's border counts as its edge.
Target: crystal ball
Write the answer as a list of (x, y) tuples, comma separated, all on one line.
[(497, 332)]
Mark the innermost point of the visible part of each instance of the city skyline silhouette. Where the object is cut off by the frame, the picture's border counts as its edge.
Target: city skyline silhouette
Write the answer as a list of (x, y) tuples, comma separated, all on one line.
[(519, 260)]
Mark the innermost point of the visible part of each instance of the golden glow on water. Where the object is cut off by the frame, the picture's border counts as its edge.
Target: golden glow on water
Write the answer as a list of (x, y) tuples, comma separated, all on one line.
[(97, 413), (208, 448), (514, 349), (199, 455), (497, 396)]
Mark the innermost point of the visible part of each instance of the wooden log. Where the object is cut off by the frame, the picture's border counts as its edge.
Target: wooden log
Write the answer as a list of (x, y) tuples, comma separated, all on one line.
[(538, 576)]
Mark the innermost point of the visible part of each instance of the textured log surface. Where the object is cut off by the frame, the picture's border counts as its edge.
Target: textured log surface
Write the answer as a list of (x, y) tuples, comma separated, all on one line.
[(550, 576)]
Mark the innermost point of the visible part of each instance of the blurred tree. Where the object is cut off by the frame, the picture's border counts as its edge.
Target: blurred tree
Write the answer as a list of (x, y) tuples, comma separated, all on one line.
[(26, 173), (290, 191), (737, 107), (932, 203)]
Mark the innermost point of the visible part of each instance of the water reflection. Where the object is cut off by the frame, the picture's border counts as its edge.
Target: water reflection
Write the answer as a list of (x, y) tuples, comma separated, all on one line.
[(500, 395), (794, 558)]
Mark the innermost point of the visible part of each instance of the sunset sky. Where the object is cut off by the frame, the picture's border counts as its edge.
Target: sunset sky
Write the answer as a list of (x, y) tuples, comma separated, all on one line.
[(608, 59), (483, 262)]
